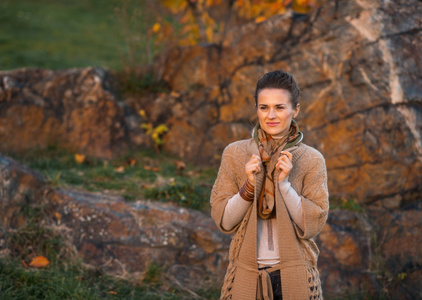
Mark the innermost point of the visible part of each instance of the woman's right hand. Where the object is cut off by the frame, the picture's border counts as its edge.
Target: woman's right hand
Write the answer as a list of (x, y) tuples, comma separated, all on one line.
[(253, 166)]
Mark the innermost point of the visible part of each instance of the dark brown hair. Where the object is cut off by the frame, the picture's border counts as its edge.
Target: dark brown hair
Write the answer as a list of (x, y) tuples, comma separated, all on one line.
[(279, 79)]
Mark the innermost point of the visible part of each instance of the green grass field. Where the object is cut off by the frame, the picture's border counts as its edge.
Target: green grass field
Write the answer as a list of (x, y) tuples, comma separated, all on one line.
[(59, 34)]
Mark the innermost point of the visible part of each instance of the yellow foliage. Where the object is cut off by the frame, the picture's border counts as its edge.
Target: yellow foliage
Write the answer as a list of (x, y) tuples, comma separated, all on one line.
[(210, 33), (199, 25), (156, 28), (155, 133), (142, 113)]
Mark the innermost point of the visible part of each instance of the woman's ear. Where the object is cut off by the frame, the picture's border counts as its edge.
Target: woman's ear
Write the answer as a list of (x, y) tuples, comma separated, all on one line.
[(297, 110)]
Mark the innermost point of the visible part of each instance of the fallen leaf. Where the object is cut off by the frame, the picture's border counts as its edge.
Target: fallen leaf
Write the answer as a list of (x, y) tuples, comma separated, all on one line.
[(39, 262), (131, 162), (174, 94), (260, 19), (120, 169), (58, 217), (155, 169), (112, 292), (148, 168), (180, 165), (79, 158), (24, 264), (156, 28)]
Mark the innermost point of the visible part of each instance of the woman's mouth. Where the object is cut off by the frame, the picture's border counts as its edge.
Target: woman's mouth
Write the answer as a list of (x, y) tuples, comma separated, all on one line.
[(272, 124)]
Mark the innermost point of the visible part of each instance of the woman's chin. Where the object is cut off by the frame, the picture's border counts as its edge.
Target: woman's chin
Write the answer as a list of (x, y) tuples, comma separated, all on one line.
[(273, 131)]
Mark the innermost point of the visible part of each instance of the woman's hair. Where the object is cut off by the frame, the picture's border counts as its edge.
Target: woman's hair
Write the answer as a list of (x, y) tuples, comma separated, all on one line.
[(279, 79)]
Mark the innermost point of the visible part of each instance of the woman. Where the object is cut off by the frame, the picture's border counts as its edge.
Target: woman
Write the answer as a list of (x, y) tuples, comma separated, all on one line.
[(271, 192)]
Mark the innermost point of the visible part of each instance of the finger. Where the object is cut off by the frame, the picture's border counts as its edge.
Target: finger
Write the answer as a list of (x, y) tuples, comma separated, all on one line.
[(252, 168), (287, 164), (284, 159), (284, 166), (288, 154), (280, 165)]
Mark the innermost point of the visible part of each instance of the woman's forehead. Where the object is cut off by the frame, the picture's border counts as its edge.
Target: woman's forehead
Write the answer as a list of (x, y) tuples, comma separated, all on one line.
[(273, 96)]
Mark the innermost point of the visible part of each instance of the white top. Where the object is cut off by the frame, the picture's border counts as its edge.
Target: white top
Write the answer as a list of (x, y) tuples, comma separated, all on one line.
[(267, 237)]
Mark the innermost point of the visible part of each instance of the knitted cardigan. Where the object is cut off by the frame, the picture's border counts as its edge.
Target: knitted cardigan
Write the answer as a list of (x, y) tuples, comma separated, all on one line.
[(297, 249)]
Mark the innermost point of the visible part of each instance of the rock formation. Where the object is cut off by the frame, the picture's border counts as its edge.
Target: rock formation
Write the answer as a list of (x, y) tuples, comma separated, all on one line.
[(72, 109), (357, 63)]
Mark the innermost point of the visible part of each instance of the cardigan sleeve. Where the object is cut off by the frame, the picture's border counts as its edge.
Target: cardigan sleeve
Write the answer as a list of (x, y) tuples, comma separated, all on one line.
[(225, 187), (314, 196)]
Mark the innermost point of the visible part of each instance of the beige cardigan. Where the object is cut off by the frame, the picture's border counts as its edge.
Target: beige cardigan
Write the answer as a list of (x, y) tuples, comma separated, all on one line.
[(297, 249)]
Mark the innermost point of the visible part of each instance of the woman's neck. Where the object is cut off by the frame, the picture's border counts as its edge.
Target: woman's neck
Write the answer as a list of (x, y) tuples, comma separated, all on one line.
[(278, 137)]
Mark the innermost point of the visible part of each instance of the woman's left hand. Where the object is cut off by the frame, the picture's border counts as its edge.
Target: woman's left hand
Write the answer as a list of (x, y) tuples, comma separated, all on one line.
[(284, 163)]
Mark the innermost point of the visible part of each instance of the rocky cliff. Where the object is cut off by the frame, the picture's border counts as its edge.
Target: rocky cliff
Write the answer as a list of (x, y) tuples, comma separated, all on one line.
[(357, 63), (72, 109)]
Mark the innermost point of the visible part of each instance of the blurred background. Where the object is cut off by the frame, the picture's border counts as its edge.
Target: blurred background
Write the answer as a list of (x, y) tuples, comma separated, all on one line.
[(114, 115)]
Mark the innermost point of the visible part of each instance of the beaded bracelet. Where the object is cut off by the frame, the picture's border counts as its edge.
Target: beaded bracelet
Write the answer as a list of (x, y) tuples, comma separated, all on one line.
[(247, 191)]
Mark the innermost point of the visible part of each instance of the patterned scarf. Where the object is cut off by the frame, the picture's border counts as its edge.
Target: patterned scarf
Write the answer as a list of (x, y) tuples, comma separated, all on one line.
[(270, 149)]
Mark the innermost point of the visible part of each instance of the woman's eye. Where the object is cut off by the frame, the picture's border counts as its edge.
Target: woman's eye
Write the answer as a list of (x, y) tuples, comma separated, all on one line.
[(263, 108), (280, 108)]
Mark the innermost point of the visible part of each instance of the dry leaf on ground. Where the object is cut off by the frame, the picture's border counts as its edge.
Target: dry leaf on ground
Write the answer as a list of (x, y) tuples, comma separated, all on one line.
[(39, 262), (79, 158), (119, 169), (180, 165)]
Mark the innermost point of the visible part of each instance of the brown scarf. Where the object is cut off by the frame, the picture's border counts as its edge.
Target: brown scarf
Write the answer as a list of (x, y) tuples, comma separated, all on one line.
[(270, 149)]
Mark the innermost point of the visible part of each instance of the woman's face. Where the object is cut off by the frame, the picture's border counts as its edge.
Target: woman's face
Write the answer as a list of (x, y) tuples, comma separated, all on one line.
[(275, 111)]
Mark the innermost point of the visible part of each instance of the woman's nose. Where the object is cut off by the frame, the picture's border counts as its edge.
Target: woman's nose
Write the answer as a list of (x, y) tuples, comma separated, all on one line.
[(271, 114)]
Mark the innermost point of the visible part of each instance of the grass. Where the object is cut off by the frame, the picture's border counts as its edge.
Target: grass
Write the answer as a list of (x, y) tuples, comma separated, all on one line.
[(347, 204), (74, 282), (59, 34), (136, 175)]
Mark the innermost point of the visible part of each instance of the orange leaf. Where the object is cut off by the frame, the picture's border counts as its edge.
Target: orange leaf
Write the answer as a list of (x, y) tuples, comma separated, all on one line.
[(260, 19), (58, 217), (39, 262), (131, 162), (112, 292), (156, 28), (79, 158), (174, 94)]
